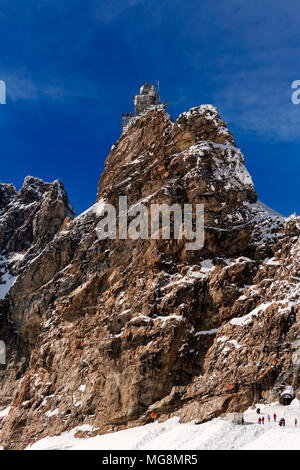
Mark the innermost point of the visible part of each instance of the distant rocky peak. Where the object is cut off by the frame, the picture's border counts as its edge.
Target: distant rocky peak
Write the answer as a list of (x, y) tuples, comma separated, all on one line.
[(7, 193), (61, 194), (33, 181), (31, 217), (35, 190), (32, 189)]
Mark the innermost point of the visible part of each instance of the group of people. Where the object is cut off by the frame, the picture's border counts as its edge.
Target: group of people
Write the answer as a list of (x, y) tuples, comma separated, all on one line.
[(261, 420)]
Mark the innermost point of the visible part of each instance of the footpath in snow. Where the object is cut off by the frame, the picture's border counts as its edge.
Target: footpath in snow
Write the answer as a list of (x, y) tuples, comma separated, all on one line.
[(217, 434)]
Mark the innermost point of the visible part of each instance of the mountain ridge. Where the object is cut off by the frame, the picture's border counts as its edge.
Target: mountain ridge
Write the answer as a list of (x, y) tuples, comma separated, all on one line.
[(103, 332)]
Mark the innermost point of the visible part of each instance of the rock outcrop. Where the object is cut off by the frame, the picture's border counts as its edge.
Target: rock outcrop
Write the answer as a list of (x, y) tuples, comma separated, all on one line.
[(29, 219), (103, 332)]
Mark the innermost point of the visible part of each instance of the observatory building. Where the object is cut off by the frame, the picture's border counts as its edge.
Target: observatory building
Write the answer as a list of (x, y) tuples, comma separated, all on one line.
[(145, 100), (148, 97)]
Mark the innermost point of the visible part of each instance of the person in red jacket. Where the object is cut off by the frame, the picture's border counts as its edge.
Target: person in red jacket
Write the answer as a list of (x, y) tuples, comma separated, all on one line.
[(263, 420), (274, 416), (259, 420)]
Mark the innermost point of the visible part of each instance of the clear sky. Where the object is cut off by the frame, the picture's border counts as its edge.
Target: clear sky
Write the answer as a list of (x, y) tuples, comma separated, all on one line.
[(72, 67)]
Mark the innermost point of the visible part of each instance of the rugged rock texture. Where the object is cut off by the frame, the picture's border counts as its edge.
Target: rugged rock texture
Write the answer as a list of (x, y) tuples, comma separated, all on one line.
[(115, 329), (29, 219)]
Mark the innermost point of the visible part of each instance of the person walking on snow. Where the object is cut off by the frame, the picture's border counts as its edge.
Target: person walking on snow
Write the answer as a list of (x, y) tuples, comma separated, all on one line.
[(282, 422), (259, 420), (263, 420), (269, 418), (296, 422), (274, 416)]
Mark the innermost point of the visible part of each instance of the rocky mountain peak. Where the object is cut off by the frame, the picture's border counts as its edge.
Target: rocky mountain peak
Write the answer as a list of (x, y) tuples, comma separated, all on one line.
[(30, 219), (7, 193), (198, 144), (103, 332)]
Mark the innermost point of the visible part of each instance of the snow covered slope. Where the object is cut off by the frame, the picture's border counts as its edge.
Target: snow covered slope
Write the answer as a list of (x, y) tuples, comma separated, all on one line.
[(6, 279), (217, 434)]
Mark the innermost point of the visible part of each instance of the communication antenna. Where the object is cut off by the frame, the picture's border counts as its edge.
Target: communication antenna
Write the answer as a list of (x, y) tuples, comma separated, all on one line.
[(157, 86)]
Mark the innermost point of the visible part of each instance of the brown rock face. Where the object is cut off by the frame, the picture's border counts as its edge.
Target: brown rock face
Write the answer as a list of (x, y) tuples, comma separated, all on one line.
[(7, 193), (29, 219), (115, 329)]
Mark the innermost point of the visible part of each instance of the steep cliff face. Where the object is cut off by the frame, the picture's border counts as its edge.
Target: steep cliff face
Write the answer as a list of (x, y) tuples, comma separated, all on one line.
[(117, 328), (29, 219)]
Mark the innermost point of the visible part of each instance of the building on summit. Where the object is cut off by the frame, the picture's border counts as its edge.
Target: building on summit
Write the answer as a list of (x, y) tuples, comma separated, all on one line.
[(145, 100)]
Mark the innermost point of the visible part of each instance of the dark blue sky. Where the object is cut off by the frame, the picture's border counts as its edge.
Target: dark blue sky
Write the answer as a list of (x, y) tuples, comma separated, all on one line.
[(72, 67)]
